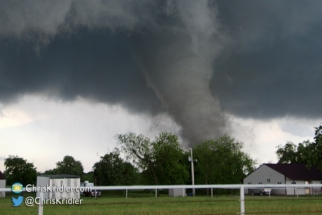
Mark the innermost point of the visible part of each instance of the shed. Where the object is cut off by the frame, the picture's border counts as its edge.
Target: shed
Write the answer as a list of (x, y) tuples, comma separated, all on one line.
[(2, 185), (286, 174), (58, 186), (177, 192)]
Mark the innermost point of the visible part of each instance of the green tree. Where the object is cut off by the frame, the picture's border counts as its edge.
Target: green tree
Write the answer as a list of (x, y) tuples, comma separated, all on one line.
[(88, 176), (69, 166), (314, 151), (288, 153), (292, 153), (221, 161), (168, 160), (139, 151), (112, 170), (19, 170), (160, 161), (309, 153), (51, 172)]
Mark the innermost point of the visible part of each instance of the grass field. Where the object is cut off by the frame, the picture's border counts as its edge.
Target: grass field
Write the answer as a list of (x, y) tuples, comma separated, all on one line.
[(146, 203)]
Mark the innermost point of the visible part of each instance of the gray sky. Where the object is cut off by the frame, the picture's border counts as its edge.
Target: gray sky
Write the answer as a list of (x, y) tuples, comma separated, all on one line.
[(73, 74)]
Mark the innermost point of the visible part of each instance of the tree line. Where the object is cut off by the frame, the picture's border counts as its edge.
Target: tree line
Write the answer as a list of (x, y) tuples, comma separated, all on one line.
[(306, 152), (139, 160)]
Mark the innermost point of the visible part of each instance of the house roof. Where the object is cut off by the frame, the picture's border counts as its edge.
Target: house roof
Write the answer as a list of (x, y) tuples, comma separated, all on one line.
[(2, 176), (60, 176), (297, 171)]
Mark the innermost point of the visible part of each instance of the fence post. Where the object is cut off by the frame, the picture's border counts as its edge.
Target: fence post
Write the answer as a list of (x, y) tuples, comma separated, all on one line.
[(212, 193), (126, 193), (242, 201), (41, 205), (156, 193)]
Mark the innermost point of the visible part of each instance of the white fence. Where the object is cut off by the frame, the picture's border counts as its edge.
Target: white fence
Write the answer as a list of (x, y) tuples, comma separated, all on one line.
[(241, 187)]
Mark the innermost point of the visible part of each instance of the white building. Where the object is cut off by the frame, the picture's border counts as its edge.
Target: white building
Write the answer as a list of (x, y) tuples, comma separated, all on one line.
[(2, 185), (58, 186), (286, 174)]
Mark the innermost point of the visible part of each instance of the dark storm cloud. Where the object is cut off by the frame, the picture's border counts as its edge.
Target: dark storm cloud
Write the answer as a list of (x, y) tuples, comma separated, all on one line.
[(195, 59), (273, 66), (94, 65)]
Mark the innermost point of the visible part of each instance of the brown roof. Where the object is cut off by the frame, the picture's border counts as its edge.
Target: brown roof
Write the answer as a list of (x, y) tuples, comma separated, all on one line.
[(297, 171), (2, 176)]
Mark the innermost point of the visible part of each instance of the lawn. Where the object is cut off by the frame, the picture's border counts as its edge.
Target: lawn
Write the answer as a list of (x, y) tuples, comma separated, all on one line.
[(146, 203)]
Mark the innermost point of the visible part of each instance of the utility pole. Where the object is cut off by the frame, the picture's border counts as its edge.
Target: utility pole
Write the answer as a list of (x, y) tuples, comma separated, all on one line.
[(192, 173)]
